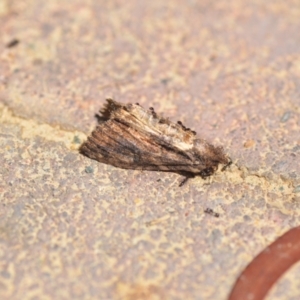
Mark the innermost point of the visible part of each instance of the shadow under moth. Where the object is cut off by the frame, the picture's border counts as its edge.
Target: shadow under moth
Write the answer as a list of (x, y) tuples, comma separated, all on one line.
[(131, 137)]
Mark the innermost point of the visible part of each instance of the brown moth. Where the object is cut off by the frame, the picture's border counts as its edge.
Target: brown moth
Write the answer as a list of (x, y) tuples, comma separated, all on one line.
[(131, 137)]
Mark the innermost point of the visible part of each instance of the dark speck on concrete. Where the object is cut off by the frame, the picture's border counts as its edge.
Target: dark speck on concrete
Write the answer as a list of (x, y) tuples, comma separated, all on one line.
[(13, 43), (246, 218), (165, 81), (89, 169), (70, 157), (76, 140), (297, 189), (285, 117), (296, 148)]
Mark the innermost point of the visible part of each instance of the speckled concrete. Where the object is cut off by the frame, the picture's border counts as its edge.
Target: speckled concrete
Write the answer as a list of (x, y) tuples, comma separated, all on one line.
[(72, 228)]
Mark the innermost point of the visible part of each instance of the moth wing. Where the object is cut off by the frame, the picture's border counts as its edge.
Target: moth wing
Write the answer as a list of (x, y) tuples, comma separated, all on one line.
[(116, 143)]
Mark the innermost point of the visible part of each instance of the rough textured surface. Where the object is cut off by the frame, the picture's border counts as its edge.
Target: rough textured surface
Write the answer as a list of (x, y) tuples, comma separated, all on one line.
[(71, 228), (258, 278)]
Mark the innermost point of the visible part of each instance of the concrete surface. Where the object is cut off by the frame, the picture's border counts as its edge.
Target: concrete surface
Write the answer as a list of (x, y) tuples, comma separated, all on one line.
[(72, 228)]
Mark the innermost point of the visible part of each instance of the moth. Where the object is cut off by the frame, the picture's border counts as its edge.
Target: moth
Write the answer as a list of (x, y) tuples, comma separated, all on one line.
[(131, 137)]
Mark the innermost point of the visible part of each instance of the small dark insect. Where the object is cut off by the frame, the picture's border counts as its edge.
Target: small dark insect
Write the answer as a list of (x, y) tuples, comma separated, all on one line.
[(12, 43), (209, 211), (131, 137)]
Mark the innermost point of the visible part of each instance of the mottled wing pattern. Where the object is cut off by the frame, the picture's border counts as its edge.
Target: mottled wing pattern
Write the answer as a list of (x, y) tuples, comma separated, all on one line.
[(131, 137), (118, 144)]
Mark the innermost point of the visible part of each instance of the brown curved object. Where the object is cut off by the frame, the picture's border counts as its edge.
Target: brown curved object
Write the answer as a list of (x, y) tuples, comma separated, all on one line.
[(264, 270)]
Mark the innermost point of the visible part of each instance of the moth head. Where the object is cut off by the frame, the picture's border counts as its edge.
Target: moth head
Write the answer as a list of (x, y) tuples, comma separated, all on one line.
[(211, 154)]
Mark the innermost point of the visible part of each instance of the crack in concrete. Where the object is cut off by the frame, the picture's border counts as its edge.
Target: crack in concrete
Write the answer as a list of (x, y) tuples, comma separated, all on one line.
[(73, 139), (31, 128)]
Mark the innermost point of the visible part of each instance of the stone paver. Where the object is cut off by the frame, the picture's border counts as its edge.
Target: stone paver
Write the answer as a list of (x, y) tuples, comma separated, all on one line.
[(72, 228)]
